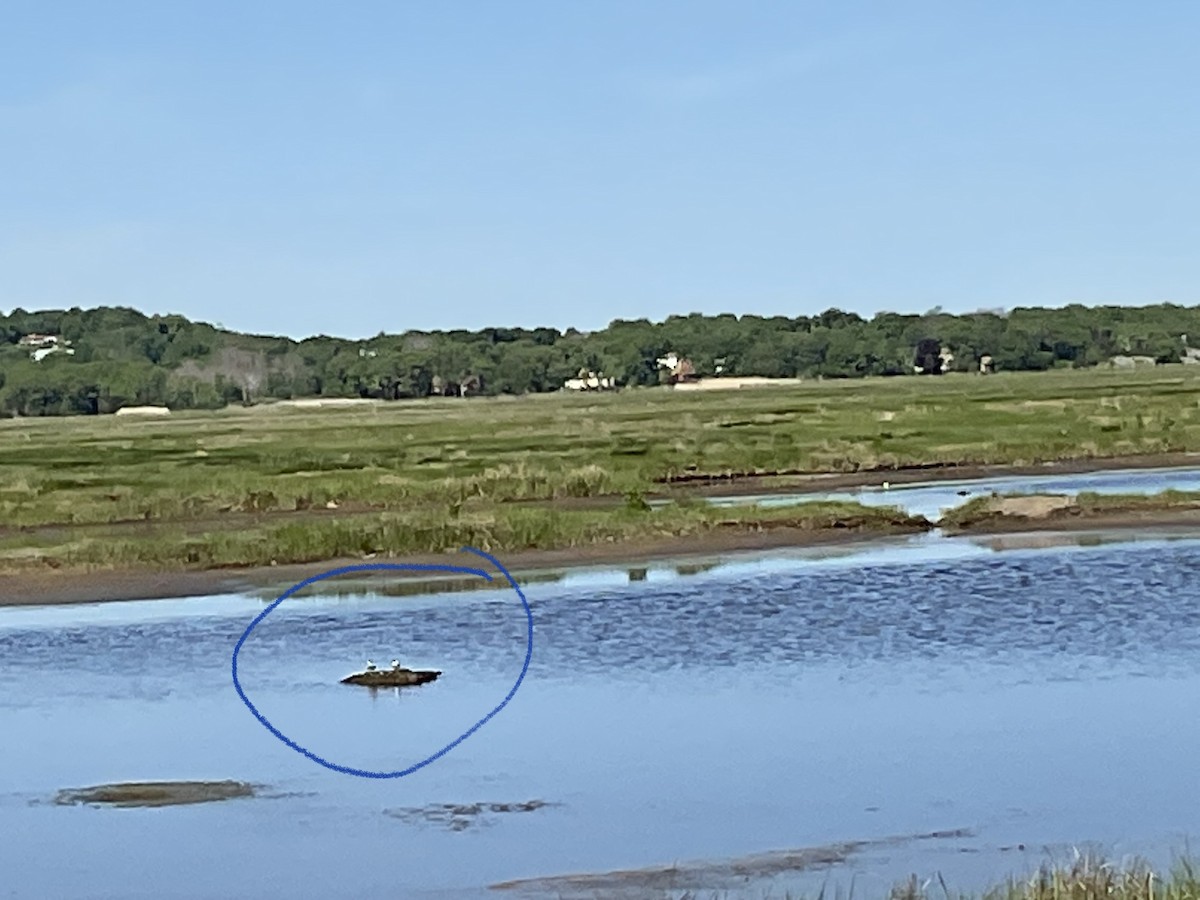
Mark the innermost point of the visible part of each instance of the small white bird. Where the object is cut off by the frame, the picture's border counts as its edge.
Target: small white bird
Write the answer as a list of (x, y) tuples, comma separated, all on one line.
[(887, 485), (395, 663), (370, 666)]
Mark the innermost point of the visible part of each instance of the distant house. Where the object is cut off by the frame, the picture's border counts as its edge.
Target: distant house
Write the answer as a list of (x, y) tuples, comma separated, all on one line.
[(38, 340), (676, 368), (590, 381), (42, 345)]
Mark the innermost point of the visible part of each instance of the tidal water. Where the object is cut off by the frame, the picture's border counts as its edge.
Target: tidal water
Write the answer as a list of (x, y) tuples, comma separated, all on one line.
[(1045, 696), (933, 499)]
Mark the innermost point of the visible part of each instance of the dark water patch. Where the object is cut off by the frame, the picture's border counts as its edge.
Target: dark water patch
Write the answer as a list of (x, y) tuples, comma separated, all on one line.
[(461, 816)]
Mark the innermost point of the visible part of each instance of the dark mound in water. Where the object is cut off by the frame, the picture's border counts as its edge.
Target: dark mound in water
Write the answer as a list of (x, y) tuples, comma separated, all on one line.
[(461, 816), (391, 677), (155, 793)]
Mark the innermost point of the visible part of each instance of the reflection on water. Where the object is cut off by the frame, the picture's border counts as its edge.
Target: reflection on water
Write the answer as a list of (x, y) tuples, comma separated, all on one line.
[(810, 696)]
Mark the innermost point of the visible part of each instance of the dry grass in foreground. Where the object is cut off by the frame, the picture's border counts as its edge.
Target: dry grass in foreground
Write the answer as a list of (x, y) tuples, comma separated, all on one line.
[(1087, 877)]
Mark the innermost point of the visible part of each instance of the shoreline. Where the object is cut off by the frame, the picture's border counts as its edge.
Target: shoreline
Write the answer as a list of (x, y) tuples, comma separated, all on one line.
[(764, 484), (820, 482), (60, 586), (67, 587)]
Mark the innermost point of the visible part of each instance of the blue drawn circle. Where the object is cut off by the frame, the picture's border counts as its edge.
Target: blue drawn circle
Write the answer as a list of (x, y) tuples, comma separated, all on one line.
[(366, 773)]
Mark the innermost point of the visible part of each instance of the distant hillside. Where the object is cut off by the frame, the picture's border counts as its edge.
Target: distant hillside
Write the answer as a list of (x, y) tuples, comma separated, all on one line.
[(62, 362)]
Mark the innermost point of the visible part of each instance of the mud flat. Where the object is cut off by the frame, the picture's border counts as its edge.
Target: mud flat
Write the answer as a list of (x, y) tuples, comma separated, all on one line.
[(154, 793), (711, 875), (1032, 512), (461, 816)]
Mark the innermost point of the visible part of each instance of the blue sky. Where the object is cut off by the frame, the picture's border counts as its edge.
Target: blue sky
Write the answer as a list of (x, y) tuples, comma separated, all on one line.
[(300, 168)]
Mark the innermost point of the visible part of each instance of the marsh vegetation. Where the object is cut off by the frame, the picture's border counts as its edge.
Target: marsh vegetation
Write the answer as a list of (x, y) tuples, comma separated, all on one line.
[(243, 487)]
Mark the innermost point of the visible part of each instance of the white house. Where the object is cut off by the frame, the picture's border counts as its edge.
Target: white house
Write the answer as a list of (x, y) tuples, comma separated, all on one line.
[(589, 381), (42, 345)]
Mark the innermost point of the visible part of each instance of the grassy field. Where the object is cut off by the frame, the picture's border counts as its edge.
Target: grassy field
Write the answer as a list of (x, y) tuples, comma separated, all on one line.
[(242, 486)]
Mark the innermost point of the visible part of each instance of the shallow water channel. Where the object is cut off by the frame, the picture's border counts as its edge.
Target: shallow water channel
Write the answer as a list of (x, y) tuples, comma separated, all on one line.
[(933, 499), (1036, 692)]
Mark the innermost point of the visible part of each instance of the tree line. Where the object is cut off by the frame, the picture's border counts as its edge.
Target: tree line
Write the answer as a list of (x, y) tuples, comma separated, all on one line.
[(104, 358)]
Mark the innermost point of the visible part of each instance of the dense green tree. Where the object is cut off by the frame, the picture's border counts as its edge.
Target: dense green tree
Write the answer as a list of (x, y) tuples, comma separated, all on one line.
[(118, 356)]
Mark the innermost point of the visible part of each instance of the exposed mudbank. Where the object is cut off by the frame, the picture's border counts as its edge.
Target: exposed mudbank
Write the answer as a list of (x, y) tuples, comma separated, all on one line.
[(155, 793), (391, 677), (1015, 511), (707, 875), (461, 816)]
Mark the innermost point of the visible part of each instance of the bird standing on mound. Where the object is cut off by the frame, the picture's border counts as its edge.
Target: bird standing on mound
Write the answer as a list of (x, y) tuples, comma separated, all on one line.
[(370, 666)]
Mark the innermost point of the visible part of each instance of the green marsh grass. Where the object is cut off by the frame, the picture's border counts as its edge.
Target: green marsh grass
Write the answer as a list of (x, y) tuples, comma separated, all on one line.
[(493, 528), (395, 456), (441, 461)]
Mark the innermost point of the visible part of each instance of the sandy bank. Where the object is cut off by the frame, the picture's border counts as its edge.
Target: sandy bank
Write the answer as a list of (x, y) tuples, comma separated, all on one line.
[(1042, 513), (64, 586), (714, 875)]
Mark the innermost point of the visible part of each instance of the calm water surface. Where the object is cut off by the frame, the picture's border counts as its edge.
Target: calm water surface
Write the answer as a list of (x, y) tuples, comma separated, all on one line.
[(1036, 696), (933, 499)]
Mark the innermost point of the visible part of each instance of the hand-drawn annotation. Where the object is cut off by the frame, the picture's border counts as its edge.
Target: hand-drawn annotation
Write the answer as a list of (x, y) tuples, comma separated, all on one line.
[(365, 773)]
